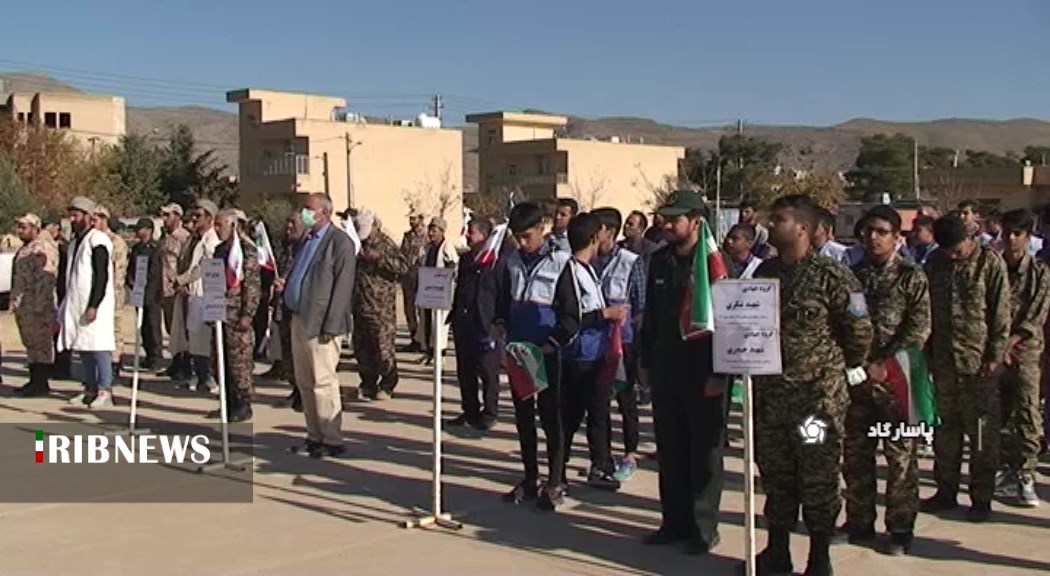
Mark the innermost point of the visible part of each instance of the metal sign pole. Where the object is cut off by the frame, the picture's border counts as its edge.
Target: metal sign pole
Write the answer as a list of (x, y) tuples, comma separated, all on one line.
[(749, 477), (237, 465), (136, 366), (437, 517)]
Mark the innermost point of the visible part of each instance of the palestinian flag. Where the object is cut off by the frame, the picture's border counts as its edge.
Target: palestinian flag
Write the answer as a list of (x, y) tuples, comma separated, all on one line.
[(490, 250), (234, 264), (613, 369), (909, 379), (526, 370), (267, 261), (697, 314)]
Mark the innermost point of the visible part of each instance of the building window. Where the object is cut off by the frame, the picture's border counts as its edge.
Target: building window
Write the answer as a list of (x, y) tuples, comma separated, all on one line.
[(50, 120), (543, 165), (512, 170), (302, 164), (491, 137), (65, 120), (22, 117), (32, 118)]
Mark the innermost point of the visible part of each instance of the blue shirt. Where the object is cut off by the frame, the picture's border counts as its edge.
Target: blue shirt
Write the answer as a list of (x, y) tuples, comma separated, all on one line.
[(293, 288)]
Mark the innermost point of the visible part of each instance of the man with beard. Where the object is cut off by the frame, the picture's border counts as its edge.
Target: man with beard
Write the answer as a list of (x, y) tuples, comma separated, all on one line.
[(438, 254), (172, 245), (120, 268), (899, 295), (688, 404), (825, 337), (86, 314), (243, 288), (152, 339), (191, 286), (33, 301)]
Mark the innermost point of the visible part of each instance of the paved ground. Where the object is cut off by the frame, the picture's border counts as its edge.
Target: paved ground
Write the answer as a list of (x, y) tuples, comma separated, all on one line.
[(342, 517)]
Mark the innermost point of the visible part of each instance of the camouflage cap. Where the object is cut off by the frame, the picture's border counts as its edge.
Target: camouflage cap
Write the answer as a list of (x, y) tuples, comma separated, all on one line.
[(29, 219), (682, 202)]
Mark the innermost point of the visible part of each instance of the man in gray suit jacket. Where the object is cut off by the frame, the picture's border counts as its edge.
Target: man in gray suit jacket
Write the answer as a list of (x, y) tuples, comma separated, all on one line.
[(319, 292)]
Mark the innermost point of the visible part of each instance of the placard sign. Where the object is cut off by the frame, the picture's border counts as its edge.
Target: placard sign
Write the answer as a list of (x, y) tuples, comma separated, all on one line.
[(138, 289), (213, 275), (747, 326), (435, 288)]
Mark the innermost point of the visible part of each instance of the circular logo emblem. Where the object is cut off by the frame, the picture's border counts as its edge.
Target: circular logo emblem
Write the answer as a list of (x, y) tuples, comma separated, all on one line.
[(672, 198)]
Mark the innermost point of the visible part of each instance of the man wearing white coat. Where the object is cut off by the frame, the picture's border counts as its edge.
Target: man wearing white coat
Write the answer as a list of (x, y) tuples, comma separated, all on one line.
[(86, 315), (191, 284)]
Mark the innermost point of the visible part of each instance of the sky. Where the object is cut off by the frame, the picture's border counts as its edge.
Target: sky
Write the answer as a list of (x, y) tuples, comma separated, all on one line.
[(691, 63)]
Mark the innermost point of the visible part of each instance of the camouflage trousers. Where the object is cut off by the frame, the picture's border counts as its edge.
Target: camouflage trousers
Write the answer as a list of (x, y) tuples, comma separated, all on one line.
[(969, 406), (373, 340), (1022, 422), (119, 320), (871, 404), (239, 349), (794, 473), (35, 330)]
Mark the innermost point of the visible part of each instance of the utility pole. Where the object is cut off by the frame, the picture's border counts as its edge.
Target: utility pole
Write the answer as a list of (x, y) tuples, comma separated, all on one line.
[(350, 145), (739, 160), (437, 106), (324, 159), (915, 165), (718, 200)]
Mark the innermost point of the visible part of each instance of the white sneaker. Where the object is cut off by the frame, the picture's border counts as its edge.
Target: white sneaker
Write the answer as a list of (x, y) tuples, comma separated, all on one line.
[(1006, 484), (104, 400), (213, 388), (1026, 494), (191, 384), (78, 399)]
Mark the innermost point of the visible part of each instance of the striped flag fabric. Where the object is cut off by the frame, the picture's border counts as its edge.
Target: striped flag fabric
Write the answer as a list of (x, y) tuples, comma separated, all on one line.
[(234, 265), (697, 313), (909, 379), (526, 370), (490, 250), (267, 260), (613, 369)]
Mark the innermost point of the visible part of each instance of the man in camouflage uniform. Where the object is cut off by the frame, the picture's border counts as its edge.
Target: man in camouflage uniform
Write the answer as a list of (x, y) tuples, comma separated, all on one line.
[(119, 257), (284, 368), (33, 301), (379, 268), (413, 248), (970, 305), (175, 240), (63, 365), (1029, 281), (825, 338), (898, 297), (242, 300)]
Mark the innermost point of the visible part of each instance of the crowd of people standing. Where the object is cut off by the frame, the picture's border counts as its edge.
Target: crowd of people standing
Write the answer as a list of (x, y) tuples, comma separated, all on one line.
[(970, 293)]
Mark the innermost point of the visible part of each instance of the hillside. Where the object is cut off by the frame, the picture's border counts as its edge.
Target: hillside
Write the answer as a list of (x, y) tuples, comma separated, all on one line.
[(825, 148)]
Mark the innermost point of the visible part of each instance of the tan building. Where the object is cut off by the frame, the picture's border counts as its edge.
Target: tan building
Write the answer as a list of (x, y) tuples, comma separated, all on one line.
[(299, 143), (519, 151), (89, 118), (999, 188)]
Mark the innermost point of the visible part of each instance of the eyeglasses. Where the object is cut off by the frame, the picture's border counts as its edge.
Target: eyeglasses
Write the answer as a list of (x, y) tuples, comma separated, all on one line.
[(881, 232)]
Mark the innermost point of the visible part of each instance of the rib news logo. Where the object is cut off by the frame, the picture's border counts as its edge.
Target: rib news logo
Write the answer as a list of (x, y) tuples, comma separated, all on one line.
[(102, 449)]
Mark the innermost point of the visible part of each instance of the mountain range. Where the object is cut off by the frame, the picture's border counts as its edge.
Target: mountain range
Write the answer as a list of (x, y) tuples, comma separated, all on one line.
[(828, 148)]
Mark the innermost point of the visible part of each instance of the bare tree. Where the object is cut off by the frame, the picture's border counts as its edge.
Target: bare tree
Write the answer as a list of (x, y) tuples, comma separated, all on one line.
[(447, 197), (588, 195), (655, 193)]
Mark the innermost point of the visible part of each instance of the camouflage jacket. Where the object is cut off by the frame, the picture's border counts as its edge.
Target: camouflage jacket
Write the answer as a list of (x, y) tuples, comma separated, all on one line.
[(898, 298), (413, 249), (120, 266), (35, 277), (243, 300), (1029, 283), (171, 248), (825, 327), (375, 288), (970, 308)]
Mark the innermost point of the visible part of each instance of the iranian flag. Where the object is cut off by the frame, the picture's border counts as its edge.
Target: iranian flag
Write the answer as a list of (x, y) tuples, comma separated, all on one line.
[(526, 370), (267, 261), (697, 313), (909, 379), (490, 250), (234, 265), (613, 369)]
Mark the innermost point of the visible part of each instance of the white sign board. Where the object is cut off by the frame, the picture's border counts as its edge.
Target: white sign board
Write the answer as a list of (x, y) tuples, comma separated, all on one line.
[(435, 288), (213, 274), (747, 326), (138, 290)]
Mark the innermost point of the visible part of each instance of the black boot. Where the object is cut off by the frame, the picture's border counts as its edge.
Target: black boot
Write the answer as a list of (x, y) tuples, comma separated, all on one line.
[(900, 543), (32, 387), (776, 558), (819, 562)]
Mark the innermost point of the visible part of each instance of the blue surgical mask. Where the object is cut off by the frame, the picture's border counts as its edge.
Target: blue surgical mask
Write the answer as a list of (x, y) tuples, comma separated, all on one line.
[(308, 218)]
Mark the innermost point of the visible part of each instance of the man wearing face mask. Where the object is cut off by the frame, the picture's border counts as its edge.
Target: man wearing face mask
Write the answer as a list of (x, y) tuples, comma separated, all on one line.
[(318, 293)]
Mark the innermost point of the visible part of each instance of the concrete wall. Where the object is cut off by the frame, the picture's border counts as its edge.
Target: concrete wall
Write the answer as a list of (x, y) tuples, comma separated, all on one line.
[(91, 119), (613, 174)]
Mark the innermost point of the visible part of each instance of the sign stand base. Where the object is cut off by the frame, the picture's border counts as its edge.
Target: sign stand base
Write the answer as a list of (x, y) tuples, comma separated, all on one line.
[(441, 520), (239, 465)]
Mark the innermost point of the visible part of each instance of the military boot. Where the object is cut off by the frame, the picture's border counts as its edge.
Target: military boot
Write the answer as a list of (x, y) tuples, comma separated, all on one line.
[(37, 384), (819, 561), (776, 558)]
